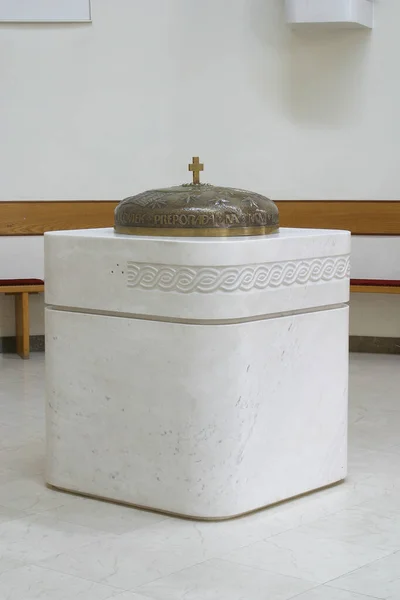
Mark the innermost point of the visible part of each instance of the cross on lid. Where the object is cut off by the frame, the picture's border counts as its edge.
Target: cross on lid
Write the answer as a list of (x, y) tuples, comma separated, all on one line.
[(195, 167)]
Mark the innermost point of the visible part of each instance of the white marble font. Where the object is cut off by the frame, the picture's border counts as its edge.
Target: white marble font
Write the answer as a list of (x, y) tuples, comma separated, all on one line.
[(202, 377)]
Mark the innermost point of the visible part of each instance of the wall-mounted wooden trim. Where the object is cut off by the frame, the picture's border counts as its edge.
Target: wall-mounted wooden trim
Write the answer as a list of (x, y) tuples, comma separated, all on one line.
[(34, 218), (374, 289), (359, 217)]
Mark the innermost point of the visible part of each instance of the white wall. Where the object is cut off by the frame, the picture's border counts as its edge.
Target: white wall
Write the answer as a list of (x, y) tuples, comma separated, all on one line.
[(105, 110), (375, 315)]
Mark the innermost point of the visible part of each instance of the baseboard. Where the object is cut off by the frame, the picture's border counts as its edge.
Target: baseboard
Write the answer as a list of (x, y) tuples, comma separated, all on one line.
[(358, 343), (8, 345), (374, 345)]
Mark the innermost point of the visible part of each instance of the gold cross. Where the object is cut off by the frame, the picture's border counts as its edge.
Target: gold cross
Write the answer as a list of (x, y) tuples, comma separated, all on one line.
[(196, 167)]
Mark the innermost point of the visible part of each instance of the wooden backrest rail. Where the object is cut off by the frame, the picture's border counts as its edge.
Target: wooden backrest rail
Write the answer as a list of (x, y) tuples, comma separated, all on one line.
[(360, 217)]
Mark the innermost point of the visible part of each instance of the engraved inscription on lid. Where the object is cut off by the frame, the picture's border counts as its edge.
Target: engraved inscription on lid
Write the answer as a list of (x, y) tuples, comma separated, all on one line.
[(196, 209)]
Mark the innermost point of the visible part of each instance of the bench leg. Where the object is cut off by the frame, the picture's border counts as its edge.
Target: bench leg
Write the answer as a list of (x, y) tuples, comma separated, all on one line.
[(22, 323)]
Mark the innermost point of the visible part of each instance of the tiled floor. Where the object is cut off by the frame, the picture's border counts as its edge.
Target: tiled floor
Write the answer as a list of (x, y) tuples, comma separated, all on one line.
[(339, 544)]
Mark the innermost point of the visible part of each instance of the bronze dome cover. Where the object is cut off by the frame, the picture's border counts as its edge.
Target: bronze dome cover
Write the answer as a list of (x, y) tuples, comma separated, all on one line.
[(196, 210)]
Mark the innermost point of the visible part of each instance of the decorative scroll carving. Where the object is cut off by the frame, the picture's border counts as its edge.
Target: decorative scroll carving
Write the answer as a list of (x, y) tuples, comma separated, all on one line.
[(243, 278)]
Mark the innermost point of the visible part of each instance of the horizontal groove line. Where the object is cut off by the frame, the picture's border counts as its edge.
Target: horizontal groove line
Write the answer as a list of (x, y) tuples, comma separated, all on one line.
[(161, 319)]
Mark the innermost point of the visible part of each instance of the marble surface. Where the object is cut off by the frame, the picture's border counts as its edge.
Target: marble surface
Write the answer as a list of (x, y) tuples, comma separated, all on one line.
[(205, 421), (227, 394), (197, 278), (55, 546)]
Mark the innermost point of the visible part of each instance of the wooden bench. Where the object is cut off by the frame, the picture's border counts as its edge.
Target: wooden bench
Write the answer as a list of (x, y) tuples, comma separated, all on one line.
[(20, 289), (375, 286)]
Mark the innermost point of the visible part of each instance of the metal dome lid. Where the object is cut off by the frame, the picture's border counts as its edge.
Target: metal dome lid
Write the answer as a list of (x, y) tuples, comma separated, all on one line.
[(196, 210)]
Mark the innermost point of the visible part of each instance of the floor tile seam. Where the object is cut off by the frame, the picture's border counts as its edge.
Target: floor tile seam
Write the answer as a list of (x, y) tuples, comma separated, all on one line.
[(366, 477), (353, 592), (262, 570), (391, 550), (47, 513), (319, 583), (379, 512), (16, 567), (137, 589), (388, 451), (384, 454), (21, 516), (146, 594), (312, 525), (124, 592), (328, 583), (26, 512), (309, 523), (388, 551), (19, 567), (201, 562), (352, 507), (95, 529), (112, 536), (74, 576), (38, 562), (324, 585)]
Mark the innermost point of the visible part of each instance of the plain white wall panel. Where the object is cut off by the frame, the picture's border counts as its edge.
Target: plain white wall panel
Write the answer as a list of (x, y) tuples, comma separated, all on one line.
[(21, 257), (45, 10)]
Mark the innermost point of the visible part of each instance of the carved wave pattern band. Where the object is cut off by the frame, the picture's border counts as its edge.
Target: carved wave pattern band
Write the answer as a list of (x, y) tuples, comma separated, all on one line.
[(206, 280)]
